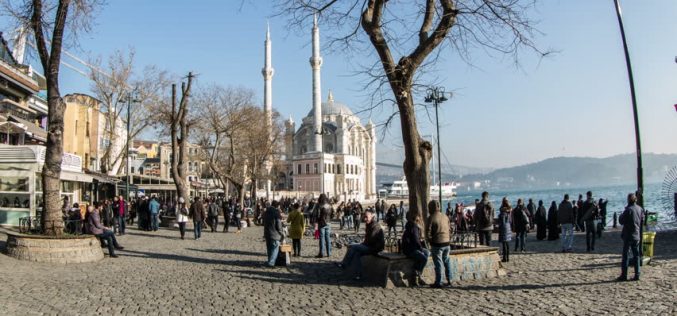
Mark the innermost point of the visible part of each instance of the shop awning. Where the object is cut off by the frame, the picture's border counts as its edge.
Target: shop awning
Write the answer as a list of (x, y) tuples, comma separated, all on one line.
[(76, 176)]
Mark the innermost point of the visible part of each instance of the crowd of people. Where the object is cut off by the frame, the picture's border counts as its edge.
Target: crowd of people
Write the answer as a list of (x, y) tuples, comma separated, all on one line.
[(291, 218)]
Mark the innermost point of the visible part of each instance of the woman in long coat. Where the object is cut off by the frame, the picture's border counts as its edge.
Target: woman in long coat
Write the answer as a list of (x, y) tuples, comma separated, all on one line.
[(505, 229), (541, 221), (296, 228), (553, 223), (520, 221)]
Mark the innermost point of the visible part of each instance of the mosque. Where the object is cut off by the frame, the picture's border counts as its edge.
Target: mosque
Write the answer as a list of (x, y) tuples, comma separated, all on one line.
[(331, 151)]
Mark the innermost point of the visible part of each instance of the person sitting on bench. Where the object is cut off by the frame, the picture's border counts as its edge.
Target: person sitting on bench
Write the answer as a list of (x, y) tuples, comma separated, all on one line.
[(374, 242), (104, 233)]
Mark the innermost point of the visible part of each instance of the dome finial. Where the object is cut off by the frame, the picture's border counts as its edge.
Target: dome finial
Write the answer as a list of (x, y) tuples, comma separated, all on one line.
[(330, 96)]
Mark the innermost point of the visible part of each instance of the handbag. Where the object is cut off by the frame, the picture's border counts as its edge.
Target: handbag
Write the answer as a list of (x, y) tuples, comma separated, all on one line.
[(317, 234)]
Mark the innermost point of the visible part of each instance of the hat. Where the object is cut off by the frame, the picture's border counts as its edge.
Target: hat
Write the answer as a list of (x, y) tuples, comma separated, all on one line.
[(181, 200)]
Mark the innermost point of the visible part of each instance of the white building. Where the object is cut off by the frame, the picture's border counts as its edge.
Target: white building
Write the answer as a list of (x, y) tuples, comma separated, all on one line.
[(331, 151)]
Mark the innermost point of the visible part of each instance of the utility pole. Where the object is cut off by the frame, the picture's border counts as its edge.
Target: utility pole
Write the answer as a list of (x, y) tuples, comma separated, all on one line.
[(130, 98), (436, 95)]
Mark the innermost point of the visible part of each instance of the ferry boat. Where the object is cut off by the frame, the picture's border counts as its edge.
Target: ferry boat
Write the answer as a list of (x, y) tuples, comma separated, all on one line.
[(400, 189)]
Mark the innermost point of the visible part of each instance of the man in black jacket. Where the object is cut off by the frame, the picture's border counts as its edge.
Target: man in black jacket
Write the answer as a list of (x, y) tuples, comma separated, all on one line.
[(631, 219), (374, 242), (272, 232)]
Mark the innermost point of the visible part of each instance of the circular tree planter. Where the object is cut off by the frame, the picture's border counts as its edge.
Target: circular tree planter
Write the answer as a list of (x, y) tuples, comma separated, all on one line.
[(37, 248)]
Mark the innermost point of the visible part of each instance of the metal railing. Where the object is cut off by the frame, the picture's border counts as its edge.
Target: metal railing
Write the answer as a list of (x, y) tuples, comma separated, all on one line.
[(33, 225)]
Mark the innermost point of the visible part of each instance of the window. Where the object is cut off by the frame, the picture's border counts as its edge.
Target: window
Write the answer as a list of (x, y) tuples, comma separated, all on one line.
[(307, 168), (14, 184), (338, 169), (315, 168), (299, 169)]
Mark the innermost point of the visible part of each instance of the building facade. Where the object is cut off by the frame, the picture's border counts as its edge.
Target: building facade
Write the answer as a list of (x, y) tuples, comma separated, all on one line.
[(331, 151)]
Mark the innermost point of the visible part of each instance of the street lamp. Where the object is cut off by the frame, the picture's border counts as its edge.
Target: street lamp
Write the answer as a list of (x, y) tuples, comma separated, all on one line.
[(436, 95), (628, 65), (130, 97), (640, 177)]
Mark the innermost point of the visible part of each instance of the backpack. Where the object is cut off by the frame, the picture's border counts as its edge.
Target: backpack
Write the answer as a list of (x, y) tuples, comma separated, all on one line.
[(213, 210), (481, 217)]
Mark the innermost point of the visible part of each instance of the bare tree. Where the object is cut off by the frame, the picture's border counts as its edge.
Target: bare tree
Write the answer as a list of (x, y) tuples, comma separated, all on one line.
[(49, 21), (111, 83), (180, 132), (235, 137), (414, 30)]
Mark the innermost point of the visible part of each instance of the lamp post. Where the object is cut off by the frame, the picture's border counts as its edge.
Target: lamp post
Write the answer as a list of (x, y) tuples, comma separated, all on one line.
[(628, 65), (129, 98), (436, 95), (631, 81)]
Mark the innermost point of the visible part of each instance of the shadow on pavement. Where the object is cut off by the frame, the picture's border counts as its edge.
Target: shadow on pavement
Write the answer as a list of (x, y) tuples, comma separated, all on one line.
[(165, 256), (520, 287), (152, 234), (230, 252), (304, 273)]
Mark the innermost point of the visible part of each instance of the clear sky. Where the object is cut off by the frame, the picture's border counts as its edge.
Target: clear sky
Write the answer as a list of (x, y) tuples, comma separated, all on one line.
[(573, 103)]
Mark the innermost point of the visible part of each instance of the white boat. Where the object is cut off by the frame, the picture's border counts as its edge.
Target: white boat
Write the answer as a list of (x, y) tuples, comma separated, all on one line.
[(400, 189)]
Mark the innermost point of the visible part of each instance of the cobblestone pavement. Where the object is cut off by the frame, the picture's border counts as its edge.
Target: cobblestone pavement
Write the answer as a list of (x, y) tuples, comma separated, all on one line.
[(222, 273)]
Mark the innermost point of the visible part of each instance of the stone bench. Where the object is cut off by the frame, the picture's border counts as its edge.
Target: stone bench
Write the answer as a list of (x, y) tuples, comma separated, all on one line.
[(38, 248), (392, 270)]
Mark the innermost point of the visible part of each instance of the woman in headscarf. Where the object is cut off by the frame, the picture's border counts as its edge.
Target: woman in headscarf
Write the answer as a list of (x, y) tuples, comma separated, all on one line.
[(553, 223), (541, 221)]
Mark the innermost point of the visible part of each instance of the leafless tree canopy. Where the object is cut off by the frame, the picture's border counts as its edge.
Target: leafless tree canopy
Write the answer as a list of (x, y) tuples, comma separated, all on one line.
[(408, 36), (237, 142), (118, 79)]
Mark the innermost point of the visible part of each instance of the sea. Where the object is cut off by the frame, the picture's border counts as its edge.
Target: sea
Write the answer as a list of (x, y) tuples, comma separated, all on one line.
[(654, 201)]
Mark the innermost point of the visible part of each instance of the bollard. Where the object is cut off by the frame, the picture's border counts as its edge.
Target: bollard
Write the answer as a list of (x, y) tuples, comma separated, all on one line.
[(615, 219)]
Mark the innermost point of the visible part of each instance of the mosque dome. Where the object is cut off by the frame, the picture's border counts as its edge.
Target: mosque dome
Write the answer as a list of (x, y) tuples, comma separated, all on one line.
[(332, 107)]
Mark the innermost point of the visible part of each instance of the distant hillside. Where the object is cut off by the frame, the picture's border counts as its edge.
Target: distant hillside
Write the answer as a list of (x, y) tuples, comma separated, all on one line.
[(577, 171)]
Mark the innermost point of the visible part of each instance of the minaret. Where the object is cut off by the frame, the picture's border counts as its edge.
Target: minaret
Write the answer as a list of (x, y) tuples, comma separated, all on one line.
[(268, 73), (19, 48), (316, 63)]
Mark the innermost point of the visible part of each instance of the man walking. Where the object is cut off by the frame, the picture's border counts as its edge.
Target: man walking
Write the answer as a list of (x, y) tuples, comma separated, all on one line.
[(227, 209), (154, 209), (484, 218), (272, 232), (213, 212), (589, 214), (120, 211), (631, 219), (438, 234), (197, 213), (565, 215), (322, 225)]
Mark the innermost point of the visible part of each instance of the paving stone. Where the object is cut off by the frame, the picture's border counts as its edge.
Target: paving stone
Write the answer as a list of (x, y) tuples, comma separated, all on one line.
[(222, 273)]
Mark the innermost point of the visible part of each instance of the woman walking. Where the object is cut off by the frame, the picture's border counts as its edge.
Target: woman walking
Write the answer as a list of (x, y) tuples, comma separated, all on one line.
[(505, 229), (541, 221), (296, 228), (553, 224), (391, 219), (182, 216), (521, 221), (357, 216)]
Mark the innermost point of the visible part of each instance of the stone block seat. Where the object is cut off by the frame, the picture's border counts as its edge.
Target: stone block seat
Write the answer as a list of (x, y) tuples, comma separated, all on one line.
[(39, 248), (390, 270)]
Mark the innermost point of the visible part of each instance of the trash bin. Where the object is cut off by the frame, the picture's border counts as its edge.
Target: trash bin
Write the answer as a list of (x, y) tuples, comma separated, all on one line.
[(647, 243)]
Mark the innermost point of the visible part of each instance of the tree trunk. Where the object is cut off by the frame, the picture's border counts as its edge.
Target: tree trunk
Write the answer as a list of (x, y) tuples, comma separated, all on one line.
[(52, 217), (417, 155), (179, 135), (52, 220)]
